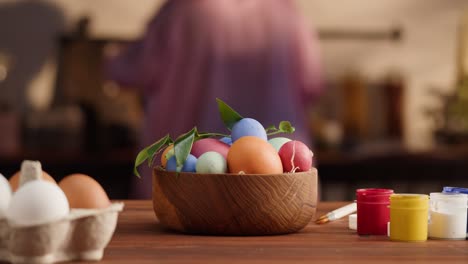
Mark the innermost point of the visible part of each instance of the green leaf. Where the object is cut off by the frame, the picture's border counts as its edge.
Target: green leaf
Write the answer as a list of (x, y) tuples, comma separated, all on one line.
[(149, 152), (170, 153), (154, 149), (201, 135), (271, 129), (183, 146), (286, 127), (228, 115), (141, 157)]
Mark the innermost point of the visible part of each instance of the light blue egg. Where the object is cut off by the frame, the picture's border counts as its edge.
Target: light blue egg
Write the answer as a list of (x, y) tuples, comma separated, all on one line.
[(226, 140), (211, 162), (189, 164), (171, 164), (278, 142), (248, 127)]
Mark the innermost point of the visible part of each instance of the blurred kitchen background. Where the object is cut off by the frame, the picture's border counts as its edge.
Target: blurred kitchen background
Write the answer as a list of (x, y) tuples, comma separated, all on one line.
[(395, 111)]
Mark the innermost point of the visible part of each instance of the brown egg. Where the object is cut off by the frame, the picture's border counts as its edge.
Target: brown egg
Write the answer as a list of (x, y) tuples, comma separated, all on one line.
[(14, 180), (84, 192)]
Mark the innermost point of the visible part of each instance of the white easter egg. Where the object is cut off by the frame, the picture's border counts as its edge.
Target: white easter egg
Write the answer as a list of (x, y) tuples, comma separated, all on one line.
[(37, 202), (211, 162), (278, 142)]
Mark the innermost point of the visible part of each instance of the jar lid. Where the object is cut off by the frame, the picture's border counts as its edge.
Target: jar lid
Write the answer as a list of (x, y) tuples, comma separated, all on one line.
[(373, 195), (454, 196), (409, 201), (451, 199), (448, 189)]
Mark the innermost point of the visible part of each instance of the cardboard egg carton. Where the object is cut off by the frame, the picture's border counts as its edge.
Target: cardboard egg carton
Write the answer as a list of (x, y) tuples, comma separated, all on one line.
[(81, 235)]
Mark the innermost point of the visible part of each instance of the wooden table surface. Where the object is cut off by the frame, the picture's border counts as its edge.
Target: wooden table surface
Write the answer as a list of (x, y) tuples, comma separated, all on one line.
[(140, 239)]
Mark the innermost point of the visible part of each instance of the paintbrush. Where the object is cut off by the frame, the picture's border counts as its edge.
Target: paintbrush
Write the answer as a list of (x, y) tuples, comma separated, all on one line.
[(337, 214)]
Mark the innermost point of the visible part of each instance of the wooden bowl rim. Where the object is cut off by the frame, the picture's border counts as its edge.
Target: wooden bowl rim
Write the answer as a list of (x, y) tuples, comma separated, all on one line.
[(312, 171)]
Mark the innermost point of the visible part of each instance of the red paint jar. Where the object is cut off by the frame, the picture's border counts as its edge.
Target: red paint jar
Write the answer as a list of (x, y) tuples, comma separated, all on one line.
[(373, 212)]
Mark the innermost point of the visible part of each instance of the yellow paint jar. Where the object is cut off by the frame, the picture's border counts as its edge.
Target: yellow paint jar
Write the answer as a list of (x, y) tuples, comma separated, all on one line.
[(408, 217)]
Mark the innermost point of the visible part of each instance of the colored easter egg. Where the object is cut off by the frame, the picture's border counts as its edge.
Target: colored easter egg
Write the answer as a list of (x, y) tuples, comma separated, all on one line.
[(295, 156), (226, 140), (211, 162), (167, 153), (189, 164), (248, 127), (209, 144), (253, 155), (278, 142)]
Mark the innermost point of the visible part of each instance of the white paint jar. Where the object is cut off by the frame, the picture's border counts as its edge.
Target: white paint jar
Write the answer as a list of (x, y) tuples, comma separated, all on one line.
[(447, 216)]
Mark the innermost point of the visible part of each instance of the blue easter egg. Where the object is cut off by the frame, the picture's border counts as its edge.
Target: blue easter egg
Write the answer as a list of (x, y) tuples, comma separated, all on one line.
[(171, 164), (189, 164), (248, 127), (226, 140)]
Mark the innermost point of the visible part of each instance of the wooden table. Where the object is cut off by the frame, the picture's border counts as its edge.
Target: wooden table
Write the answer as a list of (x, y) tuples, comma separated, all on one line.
[(140, 239)]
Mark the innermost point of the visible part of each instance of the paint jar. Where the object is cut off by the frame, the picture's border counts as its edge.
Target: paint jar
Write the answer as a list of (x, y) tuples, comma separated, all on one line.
[(448, 215), (373, 213), (448, 189), (408, 217)]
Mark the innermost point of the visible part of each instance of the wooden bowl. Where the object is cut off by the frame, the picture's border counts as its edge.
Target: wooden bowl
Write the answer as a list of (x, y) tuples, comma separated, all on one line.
[(234, 204)]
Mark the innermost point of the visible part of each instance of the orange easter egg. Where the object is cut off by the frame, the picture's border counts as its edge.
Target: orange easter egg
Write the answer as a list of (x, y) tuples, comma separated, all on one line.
[(166, 155), (253, 155)]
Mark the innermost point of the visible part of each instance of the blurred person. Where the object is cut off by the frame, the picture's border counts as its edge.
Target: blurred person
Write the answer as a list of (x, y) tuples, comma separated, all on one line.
[(258, 56), (28, 32)]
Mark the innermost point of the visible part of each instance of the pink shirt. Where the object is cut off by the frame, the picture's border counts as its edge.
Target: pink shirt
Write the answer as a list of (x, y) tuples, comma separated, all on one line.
[(258, 56)]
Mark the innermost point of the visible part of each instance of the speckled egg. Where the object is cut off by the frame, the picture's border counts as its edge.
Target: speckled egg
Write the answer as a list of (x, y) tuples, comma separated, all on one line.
[(211, 162), (278, 142), (209, 144), (248, 127), (189, 164)]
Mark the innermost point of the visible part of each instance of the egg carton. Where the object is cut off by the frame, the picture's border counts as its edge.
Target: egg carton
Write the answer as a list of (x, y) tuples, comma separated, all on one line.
[(81, 235)]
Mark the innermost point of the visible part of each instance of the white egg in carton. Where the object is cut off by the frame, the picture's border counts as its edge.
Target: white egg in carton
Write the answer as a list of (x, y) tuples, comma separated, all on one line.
[(37, 226)]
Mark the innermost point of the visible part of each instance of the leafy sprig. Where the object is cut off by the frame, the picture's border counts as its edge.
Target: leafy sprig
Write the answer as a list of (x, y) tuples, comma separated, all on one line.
[(148, 153), (183, 144), (283, 127)]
